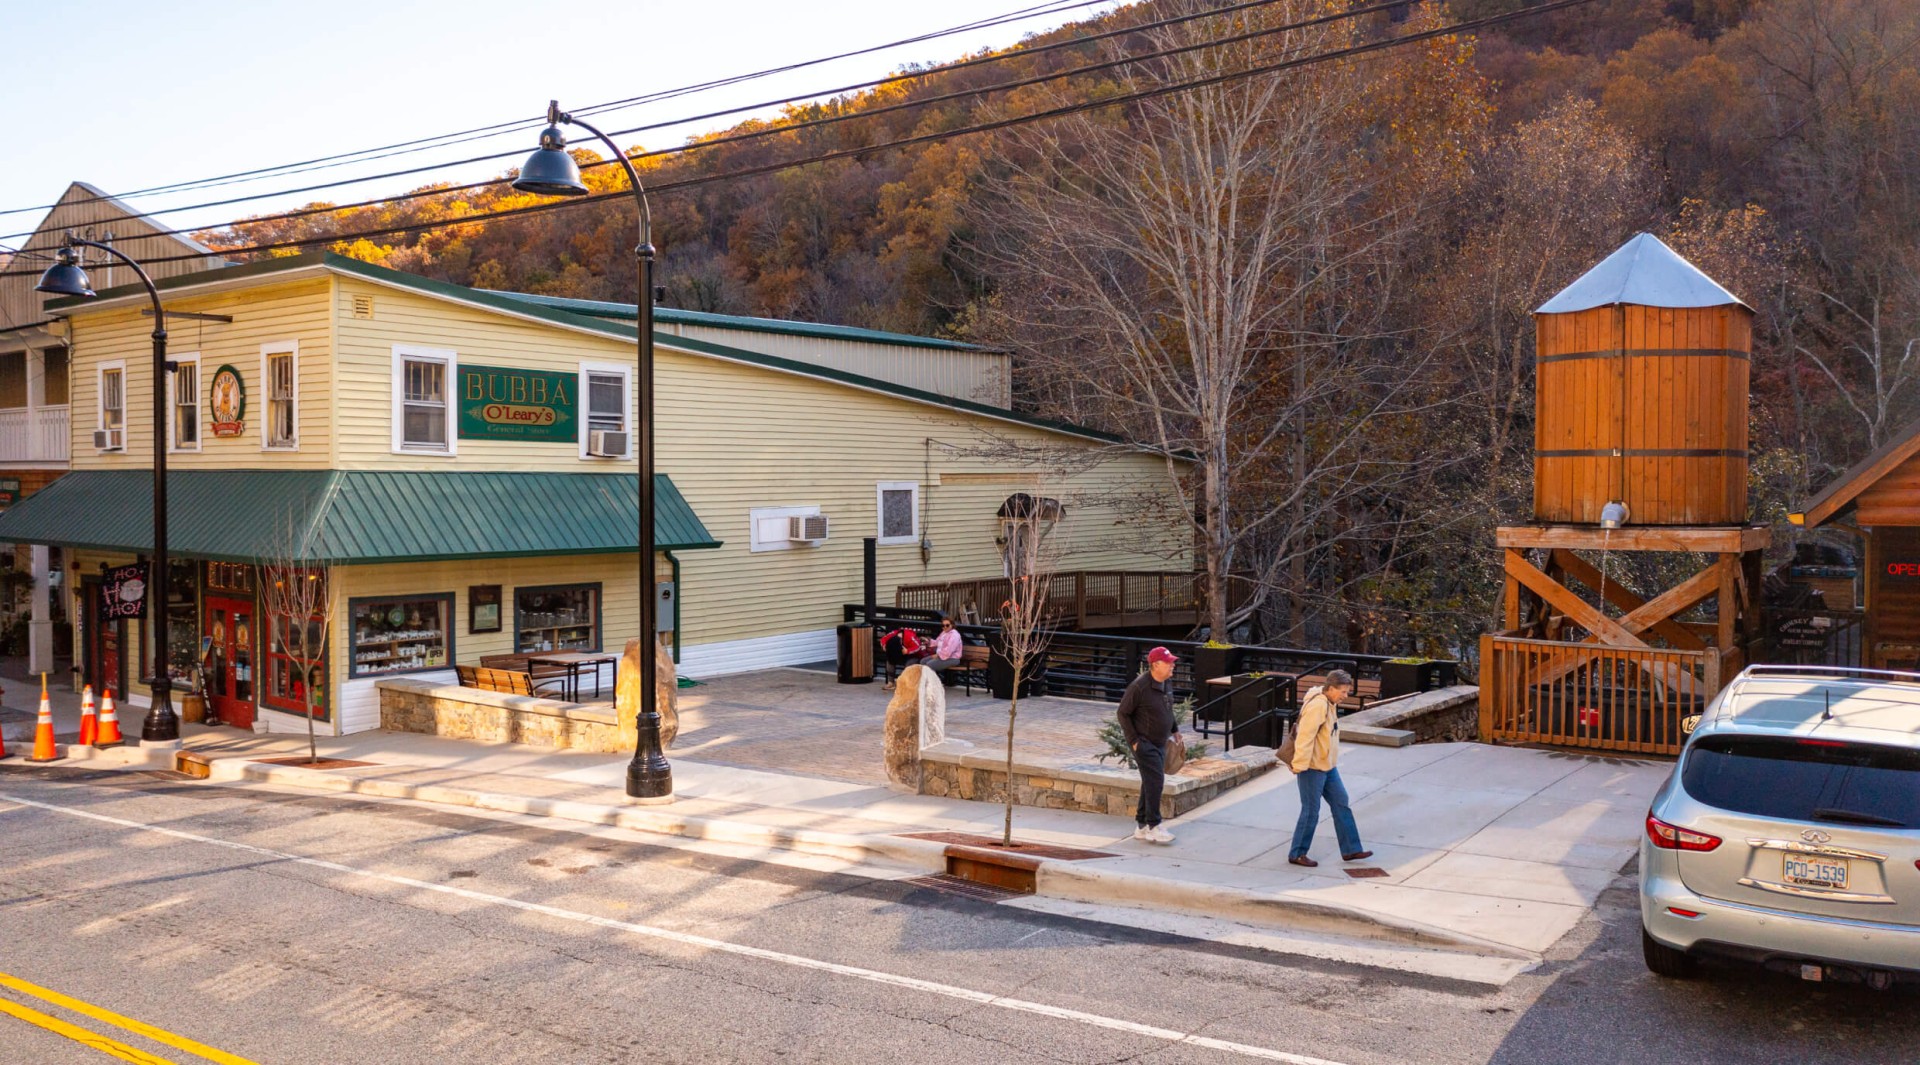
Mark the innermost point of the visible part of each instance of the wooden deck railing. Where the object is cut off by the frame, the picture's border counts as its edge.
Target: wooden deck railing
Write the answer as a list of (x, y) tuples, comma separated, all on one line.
[(1080, 599), (1592, 695)]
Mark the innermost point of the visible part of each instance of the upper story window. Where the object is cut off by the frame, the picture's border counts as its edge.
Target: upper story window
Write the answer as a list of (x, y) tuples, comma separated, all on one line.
[(605, 431), (278, 369), (113, 408), (13, 379), (422, 400), (186, 404), (55, 381)]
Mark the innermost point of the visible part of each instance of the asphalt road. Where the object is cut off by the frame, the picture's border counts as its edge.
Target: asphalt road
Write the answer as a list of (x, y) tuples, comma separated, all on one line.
[(277, 928)]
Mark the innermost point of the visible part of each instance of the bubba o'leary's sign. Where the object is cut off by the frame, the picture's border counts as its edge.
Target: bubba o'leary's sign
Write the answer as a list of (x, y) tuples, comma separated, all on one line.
[(500, 403)]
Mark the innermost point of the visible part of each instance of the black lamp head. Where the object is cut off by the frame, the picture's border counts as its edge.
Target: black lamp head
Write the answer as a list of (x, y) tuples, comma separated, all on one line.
[(550, 171), (65, 278)]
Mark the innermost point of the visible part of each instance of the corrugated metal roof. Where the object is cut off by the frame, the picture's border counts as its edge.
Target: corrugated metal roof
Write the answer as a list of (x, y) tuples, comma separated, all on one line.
[(1644, 271), (355, 516), (628, 312)]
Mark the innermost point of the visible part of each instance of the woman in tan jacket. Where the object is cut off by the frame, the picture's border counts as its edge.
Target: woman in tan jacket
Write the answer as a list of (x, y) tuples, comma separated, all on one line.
[(1316, 754)]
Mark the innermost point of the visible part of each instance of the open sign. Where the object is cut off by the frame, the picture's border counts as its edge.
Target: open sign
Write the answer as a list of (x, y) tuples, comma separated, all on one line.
[(1902, 571)]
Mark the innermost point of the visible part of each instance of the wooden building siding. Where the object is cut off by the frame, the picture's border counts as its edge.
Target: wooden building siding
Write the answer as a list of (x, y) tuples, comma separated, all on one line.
[(981, 376), (268, 314), (1893, 499), (138, 237)]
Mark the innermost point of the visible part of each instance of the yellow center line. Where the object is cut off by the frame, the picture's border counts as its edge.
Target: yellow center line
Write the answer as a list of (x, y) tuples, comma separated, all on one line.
[(110, 1047), (87, 1009)]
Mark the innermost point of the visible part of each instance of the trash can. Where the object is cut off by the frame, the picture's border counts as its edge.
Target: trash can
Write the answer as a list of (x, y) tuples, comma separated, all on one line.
[(855, 653), (1000, 676)]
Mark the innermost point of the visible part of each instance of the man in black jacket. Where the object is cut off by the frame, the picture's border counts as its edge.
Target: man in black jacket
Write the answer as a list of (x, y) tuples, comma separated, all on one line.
[(1146, 721)]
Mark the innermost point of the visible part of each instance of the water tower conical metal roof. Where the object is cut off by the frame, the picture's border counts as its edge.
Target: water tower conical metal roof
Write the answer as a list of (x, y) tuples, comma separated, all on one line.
[(1643, 271)]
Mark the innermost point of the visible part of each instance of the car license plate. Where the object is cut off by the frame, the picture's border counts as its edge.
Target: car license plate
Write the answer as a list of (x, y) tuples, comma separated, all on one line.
[(1816, 872)]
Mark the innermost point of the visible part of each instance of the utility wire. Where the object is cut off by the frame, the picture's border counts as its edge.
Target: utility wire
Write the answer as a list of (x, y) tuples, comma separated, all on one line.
[(982, 127), (486, 132), (805, 124)]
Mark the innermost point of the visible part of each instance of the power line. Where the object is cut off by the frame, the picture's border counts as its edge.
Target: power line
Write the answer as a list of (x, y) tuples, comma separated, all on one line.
[(770, 131), (486, 132), (982, 127)]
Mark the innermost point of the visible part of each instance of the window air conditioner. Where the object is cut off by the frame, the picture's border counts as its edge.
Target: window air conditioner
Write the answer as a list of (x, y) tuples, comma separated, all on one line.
[(607, 443), (807, 529), (108, 439)]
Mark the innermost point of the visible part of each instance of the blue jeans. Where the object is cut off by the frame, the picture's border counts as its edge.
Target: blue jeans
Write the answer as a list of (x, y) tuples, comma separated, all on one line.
[(1315, 784)]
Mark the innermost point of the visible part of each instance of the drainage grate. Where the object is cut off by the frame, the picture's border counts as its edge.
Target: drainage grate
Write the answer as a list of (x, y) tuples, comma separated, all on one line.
[(954, 885), (1364, 873)]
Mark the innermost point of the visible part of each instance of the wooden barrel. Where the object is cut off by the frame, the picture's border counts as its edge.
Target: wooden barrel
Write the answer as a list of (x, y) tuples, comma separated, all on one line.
[(1647, 405)]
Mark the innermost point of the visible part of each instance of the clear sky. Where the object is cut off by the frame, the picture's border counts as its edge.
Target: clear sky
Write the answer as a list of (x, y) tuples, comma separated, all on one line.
[(130, 96)]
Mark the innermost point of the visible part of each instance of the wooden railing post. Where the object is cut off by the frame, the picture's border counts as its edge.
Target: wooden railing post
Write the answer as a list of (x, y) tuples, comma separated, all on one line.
[(1489, 686)]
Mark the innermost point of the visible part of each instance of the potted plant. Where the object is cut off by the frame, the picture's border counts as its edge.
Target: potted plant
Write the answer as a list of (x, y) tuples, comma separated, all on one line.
[(1214, 659)]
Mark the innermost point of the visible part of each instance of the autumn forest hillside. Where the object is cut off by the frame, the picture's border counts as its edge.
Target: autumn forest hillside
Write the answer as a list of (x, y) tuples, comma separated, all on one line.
[(1319, 280)]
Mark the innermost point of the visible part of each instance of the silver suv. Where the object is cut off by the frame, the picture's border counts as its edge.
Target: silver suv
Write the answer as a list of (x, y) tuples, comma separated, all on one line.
[(1788, 834)]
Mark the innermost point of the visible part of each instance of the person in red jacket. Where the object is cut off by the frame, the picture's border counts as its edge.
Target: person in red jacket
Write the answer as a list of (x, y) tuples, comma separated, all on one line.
[(899, 647)]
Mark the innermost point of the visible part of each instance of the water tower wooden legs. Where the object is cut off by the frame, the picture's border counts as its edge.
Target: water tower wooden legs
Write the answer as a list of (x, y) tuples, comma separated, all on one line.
[(1636, 657)]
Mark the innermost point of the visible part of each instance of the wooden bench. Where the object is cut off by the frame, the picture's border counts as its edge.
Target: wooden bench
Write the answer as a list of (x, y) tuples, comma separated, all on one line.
[(542, 675), (973, 664), (512, 682)]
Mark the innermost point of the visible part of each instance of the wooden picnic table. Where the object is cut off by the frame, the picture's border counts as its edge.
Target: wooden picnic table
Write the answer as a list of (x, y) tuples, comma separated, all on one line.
[(573, 662)]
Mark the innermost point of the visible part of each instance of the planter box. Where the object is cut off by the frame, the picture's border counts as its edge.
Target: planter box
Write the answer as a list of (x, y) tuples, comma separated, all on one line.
[(1248, 698), (1211, 662), (1406, 678)]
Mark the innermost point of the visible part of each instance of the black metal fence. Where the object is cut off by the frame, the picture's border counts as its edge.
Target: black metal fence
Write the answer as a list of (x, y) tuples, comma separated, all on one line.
[(1091, 665)]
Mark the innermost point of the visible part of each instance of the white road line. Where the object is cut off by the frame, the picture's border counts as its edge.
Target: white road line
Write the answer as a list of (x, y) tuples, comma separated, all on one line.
[(983, 998)]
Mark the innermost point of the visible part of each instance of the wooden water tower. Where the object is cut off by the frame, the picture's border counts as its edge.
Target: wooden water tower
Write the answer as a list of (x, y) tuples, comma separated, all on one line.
[(1640, 446)]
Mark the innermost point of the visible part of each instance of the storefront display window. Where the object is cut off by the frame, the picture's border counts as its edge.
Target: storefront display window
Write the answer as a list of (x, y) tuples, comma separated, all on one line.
[(183, 626), (297, 654), (401, 635), (559, 618)]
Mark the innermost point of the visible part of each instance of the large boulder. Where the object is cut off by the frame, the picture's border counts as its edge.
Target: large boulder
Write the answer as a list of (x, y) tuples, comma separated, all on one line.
[(666, 703), (916, 717)]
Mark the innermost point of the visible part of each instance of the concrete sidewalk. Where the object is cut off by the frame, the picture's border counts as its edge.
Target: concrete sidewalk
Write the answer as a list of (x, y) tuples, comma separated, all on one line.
[(1488, 852)]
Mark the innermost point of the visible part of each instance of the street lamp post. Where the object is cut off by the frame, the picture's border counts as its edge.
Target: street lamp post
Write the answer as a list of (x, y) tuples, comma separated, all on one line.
[(550, 170), (67, 278)]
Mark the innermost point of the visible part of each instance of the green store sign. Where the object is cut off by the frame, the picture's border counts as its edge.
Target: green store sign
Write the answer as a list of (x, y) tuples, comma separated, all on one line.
[(501, 403)]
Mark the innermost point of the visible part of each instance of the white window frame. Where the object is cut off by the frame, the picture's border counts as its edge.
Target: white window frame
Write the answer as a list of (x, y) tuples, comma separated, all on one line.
[(290, 348), (100, 399), (760, 514), (402, 354), (628, 421), (880, 491), (173, 406)]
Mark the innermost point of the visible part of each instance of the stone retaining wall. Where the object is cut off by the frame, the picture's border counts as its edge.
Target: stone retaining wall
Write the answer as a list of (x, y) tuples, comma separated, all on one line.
[(1444, 715), (956, 770), (496, 717)]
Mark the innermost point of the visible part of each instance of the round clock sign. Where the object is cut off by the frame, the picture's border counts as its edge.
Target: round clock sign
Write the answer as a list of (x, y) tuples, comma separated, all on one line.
[(228, 399)]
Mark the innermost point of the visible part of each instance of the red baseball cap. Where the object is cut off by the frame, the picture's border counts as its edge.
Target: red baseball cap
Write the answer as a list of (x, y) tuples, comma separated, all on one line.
[(1161, 654)]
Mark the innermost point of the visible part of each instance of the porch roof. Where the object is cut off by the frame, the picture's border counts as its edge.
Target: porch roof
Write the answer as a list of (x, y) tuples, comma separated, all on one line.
[(354, 517)]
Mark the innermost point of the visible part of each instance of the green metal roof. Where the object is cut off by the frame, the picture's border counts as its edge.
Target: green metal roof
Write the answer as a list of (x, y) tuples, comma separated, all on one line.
[(627, 312), (355, 517), (521, 306)]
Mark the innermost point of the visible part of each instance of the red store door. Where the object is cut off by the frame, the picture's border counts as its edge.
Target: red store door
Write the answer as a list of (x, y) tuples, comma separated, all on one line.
[(229, 663)]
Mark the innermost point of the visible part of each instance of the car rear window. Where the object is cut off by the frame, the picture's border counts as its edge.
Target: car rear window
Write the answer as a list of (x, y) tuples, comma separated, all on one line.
[(1806, 780)]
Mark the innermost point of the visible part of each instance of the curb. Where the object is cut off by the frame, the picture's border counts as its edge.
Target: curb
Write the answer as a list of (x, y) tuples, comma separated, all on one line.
[(1071, 881), (916, 854)]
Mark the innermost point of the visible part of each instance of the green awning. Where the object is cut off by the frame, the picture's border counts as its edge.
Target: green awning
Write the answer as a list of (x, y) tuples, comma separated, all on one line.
[(354, 517)]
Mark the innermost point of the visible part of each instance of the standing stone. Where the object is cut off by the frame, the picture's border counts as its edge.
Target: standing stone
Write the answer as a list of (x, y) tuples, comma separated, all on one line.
[(902, 730), (626, 694)]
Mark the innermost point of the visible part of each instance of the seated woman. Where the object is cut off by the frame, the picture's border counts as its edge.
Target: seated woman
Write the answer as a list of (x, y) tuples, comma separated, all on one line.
[(946, 649), (900, 647)]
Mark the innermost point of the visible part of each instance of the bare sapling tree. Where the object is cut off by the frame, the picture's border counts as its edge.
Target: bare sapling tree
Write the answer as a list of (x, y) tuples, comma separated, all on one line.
[(299, 602), (1032, 551)]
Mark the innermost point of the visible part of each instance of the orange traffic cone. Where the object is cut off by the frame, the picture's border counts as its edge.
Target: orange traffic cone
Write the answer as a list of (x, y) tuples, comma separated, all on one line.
[(109, 723), (43, 748), (89, 725)]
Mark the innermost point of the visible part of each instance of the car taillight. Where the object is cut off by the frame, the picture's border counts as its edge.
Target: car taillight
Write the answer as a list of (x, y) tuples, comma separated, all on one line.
[(1674, 838)]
